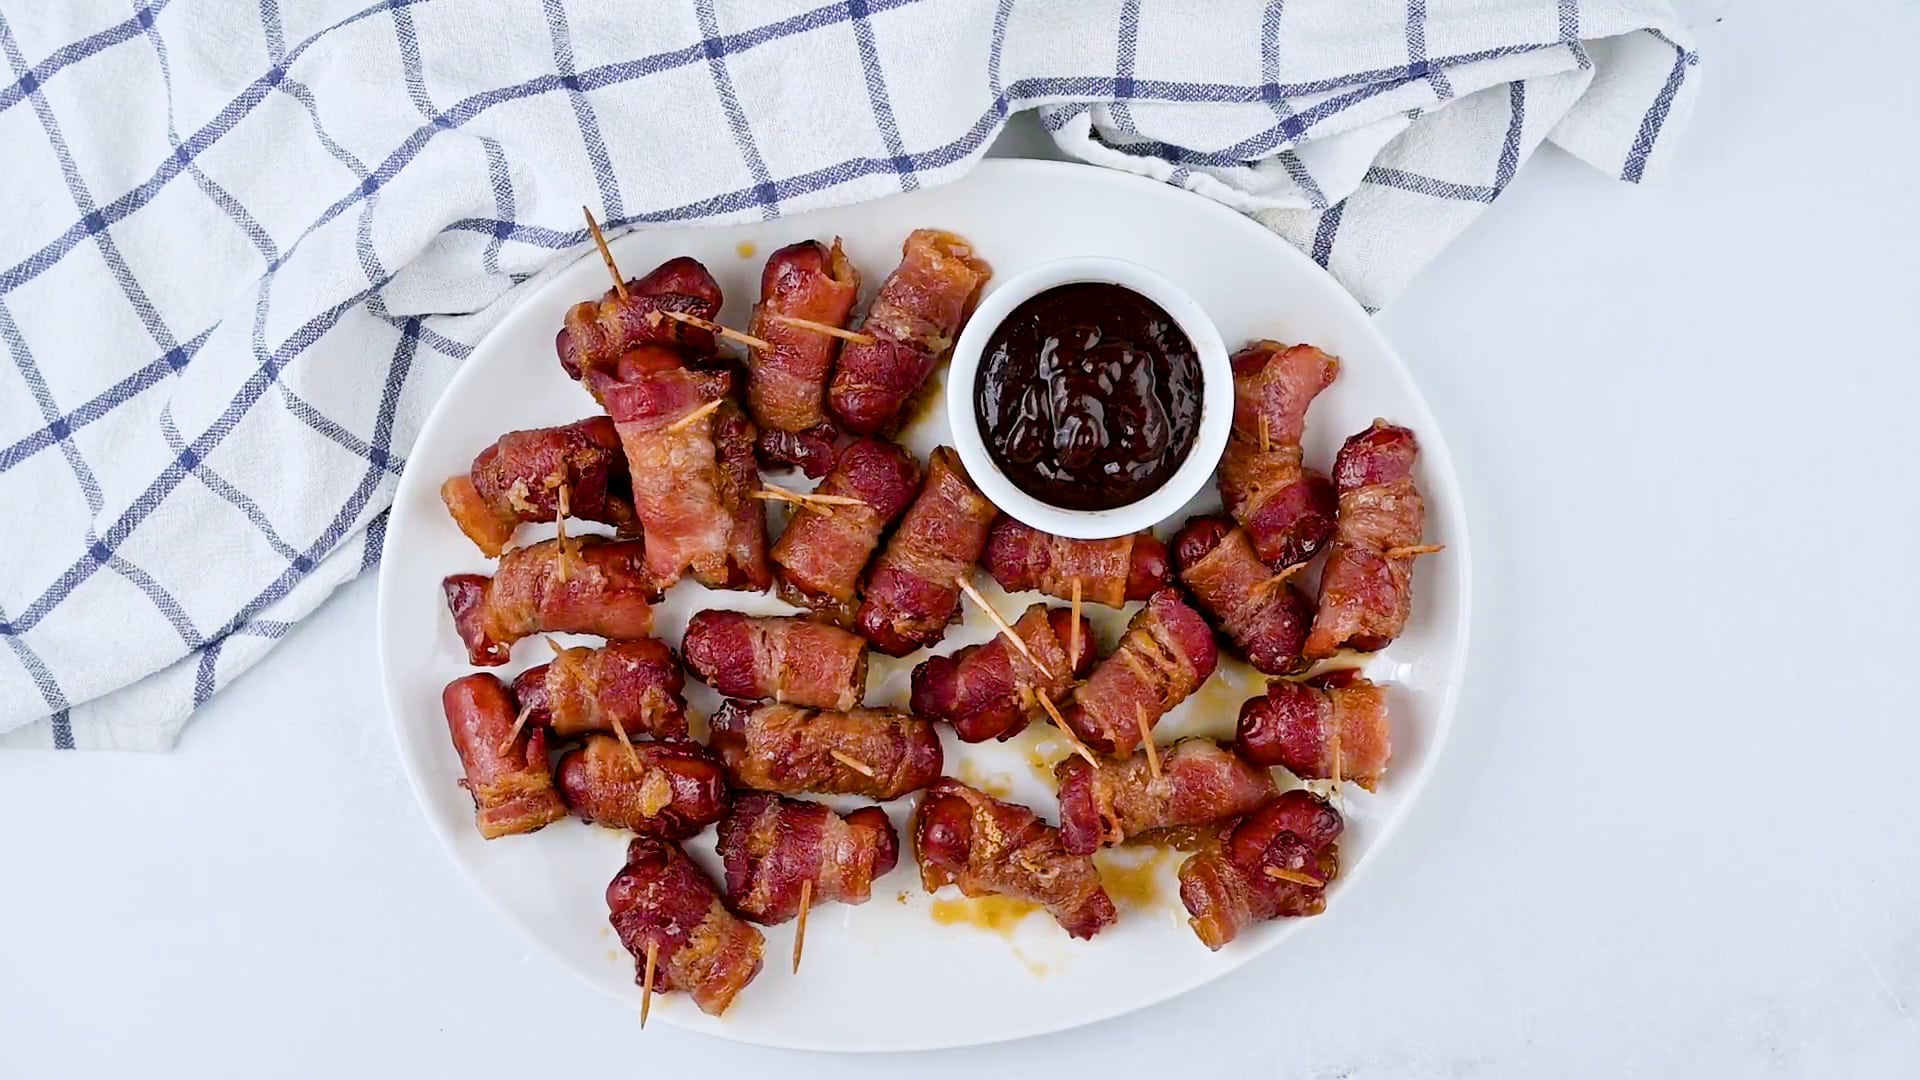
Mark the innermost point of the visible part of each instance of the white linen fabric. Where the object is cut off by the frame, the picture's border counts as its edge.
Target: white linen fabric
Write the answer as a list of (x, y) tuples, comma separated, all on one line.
[(246, 242)]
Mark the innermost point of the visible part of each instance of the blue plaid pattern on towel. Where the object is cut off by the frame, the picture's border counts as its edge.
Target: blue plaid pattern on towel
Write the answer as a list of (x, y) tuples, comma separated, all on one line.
[(246, 242)]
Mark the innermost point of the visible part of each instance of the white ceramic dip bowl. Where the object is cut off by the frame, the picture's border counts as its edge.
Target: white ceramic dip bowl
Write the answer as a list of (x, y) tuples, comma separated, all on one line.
[(1210, 434)]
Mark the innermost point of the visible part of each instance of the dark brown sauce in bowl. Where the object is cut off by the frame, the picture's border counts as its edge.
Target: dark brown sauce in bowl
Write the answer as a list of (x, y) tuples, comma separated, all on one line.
[(1088, 396)]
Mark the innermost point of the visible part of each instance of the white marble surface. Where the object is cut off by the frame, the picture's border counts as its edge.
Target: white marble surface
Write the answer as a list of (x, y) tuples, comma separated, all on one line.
[(1674, 836)]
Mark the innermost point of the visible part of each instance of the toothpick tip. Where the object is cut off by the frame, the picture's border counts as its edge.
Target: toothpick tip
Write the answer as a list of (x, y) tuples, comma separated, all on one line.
[(1280, 873), (800, 929), (646, 989)]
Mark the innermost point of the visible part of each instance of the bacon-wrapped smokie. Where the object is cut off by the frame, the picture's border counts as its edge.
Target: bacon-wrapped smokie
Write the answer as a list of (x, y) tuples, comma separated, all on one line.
[(1110, 572), (1200, 782), (665, 412), (632, 686), (914, 320), (771, 845), (518, 479), (661, 898), (1265, 616), (511, 788), (1274, 864), (786, 385), (1287, 509), (879, 753), (598, 586), (598, 333), (786, 658), (912, 593), (1309, 728), (1366, 586), (674, 791), (1166, 653), (821, 555), (990, 691), (968, 838)]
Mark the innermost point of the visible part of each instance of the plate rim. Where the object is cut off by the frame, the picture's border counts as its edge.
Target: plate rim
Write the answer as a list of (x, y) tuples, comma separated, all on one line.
[(1433, 445)]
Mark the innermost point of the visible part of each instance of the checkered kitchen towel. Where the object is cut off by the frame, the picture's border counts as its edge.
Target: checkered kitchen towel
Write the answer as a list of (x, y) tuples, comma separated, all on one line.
[(244, 243)]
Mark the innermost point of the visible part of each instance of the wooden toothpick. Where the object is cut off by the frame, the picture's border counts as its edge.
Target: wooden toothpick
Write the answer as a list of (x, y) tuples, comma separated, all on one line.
[(1066, 731), (824, 498), (854, 336), (606, 255), (1281, 873), (814, 501), (1265, 442), (620, 730), (519, 722), (774, 494), (696, 415), (1146, 739), (1019, 644), (646, 990), (1414, 550), (853, 763), (1073, 649), (710, 326), (1261, 588), (800, 930)]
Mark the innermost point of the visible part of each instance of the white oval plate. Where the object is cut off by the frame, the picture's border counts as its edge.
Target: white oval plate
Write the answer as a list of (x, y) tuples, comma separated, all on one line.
[(969, 984)]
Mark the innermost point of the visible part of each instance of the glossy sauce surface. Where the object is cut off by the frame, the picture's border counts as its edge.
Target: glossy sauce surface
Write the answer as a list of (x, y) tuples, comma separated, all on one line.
[(1088, 396)]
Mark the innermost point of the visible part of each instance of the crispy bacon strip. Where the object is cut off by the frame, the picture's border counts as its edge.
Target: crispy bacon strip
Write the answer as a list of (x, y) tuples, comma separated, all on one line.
[(1265, 616), (512, 792), (518, 479), (1286, 508), (1227, 887), (1166, 653), (771, 844), (990, 691), (733, 442), (911, 595), (1200, 782), (987, 847), (1307, 728), (676, 790), (821, 557), (787, 383), (607, 591), (660, 898), (1110, 572), (879, 753), (598, 333), (914, 319), (786, 658), (1277, 383), (632, 686), (1365, 590), (665, 414)]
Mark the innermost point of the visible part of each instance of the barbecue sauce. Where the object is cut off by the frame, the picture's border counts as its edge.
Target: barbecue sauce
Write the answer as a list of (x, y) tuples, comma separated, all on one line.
[(1088, 396)]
